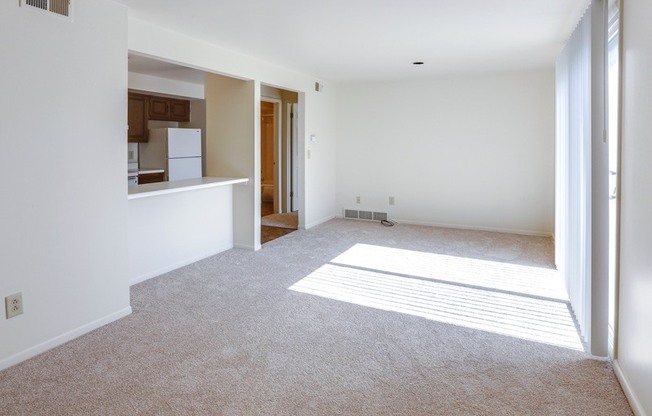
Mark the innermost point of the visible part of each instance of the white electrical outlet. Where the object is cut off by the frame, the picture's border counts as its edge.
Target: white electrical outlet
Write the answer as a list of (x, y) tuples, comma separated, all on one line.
[(391, 200), (14, 305), (357, 199)]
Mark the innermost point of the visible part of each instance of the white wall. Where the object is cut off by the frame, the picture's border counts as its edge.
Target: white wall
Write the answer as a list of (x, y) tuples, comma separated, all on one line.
[(232, 119), (318, 157), (63, 216), (150, 83), (472, 151), (317, 108), (170, 231), (634, 359)]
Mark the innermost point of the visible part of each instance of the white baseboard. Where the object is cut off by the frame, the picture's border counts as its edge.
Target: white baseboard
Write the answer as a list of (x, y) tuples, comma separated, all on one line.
[(316, 223), (629, 393), (169, 268), (62, 339), (248, 247), (471, 227)]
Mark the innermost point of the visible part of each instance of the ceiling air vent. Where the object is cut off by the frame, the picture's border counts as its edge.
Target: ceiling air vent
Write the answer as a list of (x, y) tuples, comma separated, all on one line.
[(61, 7)]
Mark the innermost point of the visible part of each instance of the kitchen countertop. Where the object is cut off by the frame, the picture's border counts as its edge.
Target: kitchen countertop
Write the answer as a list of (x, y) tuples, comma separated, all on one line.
[(163, 188), (146, 171)]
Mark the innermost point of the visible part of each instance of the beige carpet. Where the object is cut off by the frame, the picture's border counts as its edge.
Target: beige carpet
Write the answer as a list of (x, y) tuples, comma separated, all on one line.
[(287, 220), (264, 333)]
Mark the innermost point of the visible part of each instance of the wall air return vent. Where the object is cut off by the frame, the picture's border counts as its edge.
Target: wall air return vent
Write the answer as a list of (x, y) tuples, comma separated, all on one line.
[(350, 213), (380, 216), (365, 215), (60, 7)]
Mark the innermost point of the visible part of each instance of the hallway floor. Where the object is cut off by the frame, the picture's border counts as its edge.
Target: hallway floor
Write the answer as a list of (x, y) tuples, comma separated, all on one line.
[(270, 233)]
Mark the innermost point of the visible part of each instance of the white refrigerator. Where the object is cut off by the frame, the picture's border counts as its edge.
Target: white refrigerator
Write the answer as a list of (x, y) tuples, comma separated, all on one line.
[(178, 151)]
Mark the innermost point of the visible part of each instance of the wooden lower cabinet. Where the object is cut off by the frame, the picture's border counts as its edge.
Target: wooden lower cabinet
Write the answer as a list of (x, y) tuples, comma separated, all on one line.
[(144, 178)]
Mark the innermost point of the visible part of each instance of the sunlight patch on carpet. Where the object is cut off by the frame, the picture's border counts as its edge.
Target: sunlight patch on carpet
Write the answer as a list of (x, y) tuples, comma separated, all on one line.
[(483, 308), (536, 281)]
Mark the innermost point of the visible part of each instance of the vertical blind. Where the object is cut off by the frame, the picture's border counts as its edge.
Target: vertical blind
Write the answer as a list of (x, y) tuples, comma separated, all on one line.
[(573, 171), (582, 195)]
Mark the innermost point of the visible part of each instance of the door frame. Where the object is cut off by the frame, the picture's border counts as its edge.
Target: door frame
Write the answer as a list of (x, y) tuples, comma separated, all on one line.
[(614, 240), (292, 154), (278, 154)]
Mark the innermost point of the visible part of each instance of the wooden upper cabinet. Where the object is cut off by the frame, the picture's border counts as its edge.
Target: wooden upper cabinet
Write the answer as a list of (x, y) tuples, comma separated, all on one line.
[(179, 110), (137, 118), (169, 109), (159, 108), (142, 108)]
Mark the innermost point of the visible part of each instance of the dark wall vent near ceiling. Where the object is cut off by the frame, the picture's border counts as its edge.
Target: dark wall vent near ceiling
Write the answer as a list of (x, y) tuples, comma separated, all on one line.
[(61, 7)]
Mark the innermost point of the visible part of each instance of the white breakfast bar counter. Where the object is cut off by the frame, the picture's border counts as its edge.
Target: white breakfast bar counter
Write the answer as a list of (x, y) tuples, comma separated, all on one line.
[(163, 188), (172, 224)]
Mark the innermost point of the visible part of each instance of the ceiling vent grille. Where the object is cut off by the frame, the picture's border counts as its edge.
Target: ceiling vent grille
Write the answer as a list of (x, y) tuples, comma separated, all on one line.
[(60, 7)]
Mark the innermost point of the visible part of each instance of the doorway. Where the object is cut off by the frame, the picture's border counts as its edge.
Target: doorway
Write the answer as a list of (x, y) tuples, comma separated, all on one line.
[(293, 157), (268, 157), (279, 163)]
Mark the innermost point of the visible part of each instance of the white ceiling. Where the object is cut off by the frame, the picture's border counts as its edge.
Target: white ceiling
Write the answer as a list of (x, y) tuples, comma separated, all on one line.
[(361, 40)]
